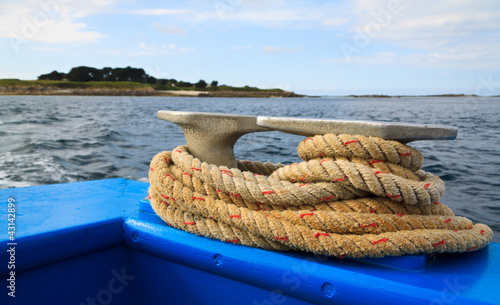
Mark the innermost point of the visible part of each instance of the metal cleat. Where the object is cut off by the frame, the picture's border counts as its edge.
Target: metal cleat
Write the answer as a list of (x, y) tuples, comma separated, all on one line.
[(210, 137)]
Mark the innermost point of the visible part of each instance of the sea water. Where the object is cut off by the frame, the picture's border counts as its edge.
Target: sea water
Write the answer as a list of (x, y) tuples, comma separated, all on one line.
[(56, 139)]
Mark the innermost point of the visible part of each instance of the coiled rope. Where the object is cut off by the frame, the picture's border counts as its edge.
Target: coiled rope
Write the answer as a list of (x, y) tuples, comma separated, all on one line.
[(352, 196)]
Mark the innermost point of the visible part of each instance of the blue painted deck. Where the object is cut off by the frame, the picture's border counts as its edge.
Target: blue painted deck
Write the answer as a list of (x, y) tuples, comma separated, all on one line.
[(95, 243)]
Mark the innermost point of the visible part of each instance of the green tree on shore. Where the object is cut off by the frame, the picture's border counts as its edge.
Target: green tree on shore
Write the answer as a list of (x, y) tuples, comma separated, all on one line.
[(54, 75), (201, 84), (183, 84), (84, 74)]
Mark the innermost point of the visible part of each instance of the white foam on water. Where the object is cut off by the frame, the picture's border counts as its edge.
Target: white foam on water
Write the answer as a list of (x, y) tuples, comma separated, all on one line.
[(22, 170)]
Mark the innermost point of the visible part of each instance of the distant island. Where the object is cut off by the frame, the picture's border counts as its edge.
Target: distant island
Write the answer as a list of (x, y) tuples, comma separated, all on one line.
[(396, 96), (127, 81), (371, 96)]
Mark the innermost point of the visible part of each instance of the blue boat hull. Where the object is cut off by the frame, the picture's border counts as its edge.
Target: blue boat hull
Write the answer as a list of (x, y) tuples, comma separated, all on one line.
[(95, 242)]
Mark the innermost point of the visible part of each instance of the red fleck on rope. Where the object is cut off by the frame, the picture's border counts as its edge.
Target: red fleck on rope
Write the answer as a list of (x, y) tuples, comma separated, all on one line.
[(340, 179), (195, 168), (303, 185), (322, 154), (447, 220), (247, 162), (164, 202), (267, 192), (380, 172), (437, 202), (328, 198), (168, 175), (178, 150), (189, 223), (236, 195), (227, 172), (439, 243), (164, 196), (233, 240), (151, 169), (482, 232), (234, 216), (379, 241), (324, 160), (198, 198), (401, 215), (370, 225), (405, 154), (372, 210), (306, 214), (281, 238), (426, 185), (393, 196), (470, 249), (376, 161), (349, 142), (186, 174), (321, 234)]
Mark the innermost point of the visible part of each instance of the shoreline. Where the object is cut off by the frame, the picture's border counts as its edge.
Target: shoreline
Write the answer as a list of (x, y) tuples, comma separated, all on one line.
[(49, 90), (148, 91)]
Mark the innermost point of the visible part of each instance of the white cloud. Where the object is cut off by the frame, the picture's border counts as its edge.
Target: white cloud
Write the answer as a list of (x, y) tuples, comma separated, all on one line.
[(103, 2), (272, 14), (447, 33), (49, 21), (419, 23), (169, 29), (451, 59), (279, 50), (160, 11)]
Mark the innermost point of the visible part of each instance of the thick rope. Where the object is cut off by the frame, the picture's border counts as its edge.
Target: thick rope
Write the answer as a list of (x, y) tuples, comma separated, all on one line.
[(352, 196)]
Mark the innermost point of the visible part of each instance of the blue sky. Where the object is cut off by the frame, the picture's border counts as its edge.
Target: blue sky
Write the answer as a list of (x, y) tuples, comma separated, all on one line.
[(311, 47)]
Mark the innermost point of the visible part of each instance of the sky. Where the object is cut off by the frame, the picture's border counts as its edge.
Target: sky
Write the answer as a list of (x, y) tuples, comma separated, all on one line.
[(396, 47)]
